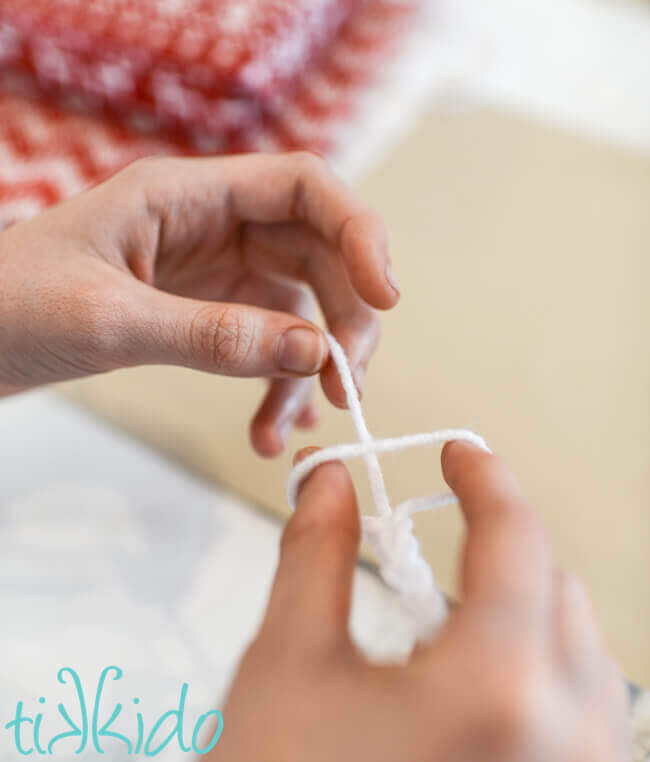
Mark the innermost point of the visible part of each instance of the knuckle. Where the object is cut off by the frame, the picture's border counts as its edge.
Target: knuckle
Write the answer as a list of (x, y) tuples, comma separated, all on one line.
[(141, 180), (148, 178), (223, 336)]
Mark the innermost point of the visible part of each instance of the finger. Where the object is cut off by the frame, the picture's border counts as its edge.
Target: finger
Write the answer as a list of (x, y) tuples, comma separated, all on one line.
[(506, 564), (301, 187), (269, 188), (282, 408), (358, 344), (313, 583), (286, 399), (296, 251), (224, 338)]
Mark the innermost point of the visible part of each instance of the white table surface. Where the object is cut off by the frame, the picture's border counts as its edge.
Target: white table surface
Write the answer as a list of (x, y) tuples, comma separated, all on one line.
[(111, 554)]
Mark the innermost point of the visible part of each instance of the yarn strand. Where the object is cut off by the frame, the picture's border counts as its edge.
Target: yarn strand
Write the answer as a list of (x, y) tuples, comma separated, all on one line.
[(390, 531), (354, 404)]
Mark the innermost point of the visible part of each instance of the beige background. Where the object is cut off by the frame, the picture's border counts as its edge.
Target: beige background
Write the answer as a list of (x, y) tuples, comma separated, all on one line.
[(523, 255)]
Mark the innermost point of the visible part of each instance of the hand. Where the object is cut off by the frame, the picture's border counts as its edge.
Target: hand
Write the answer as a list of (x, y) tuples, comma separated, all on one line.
[(517, 674), (203, 263)]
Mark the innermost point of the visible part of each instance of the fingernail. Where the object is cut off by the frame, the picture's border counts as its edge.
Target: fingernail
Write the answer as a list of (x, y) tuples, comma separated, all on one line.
[(392, 280), (460, 443), (301, 350)]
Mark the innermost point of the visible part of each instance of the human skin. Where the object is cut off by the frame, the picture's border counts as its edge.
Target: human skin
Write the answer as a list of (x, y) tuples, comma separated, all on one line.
[(204, 263), (216, 264), (517, 674)]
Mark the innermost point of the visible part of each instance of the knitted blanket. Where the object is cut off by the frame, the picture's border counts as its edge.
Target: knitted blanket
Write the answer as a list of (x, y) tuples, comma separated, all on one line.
[(86, 87)]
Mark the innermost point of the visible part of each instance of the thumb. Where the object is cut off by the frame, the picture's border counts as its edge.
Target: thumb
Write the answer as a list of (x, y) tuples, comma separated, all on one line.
[(313, 584), (229, 339)]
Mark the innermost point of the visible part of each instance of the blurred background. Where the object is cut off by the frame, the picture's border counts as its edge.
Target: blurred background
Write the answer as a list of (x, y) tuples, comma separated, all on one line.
[(507, 147)]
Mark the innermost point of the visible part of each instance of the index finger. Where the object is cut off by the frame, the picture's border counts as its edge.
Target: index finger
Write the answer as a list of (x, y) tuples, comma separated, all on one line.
[(506, 564), (313, 584), (272, 188)]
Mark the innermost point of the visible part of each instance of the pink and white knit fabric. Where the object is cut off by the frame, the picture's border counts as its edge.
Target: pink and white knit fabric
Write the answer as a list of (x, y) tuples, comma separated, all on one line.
[(86, 86)]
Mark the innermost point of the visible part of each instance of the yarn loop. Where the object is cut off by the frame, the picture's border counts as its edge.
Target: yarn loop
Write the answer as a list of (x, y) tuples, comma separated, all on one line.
[(390, 531)]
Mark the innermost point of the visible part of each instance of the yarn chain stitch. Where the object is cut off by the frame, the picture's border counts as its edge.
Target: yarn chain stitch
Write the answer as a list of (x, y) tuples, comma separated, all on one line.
[(390, 531)]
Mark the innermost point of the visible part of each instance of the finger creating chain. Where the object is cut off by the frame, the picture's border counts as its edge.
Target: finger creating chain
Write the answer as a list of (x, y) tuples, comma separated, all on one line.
[(390, 531)]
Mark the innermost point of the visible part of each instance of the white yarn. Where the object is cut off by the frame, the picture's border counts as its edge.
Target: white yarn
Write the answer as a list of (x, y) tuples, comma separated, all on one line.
[(389, 532)]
